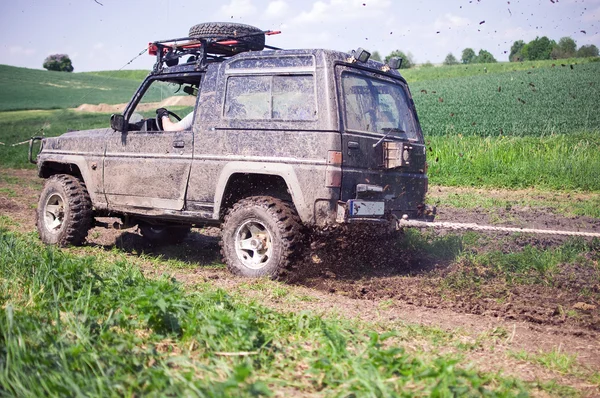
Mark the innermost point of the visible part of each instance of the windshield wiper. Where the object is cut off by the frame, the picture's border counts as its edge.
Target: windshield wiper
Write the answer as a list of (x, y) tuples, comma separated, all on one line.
[(388, 131)]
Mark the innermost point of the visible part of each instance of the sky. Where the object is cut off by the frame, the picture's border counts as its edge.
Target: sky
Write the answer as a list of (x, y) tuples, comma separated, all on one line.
[(108, 34)]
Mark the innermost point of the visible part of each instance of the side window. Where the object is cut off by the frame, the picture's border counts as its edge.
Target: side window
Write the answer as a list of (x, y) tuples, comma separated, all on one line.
[(290, 97), (248, 97)]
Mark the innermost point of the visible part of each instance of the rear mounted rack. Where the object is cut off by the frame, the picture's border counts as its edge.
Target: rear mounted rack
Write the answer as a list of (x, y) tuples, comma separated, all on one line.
[(200, 52)]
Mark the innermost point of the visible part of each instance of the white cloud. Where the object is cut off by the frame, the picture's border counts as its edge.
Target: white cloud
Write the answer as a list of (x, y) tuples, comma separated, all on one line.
[(277, 9), (238, 9), (18, 50)]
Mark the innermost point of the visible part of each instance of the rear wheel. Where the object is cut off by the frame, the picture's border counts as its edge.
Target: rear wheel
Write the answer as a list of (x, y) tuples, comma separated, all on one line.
[(163, 235), (260, 236), (64, 213)]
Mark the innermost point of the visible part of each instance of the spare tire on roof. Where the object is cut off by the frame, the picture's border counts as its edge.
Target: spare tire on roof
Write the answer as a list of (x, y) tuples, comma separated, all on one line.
[(228, 30)]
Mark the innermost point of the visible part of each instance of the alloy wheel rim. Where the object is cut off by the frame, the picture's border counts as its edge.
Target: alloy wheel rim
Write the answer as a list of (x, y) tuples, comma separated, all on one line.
[(54, 213), (253, 244)]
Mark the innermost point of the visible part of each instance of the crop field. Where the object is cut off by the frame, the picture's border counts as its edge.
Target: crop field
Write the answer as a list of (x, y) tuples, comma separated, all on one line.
[(422, 313), (540, 101)]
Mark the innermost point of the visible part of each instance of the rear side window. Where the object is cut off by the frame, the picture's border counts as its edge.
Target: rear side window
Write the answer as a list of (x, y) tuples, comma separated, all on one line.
[(377, 106), (278, 97)]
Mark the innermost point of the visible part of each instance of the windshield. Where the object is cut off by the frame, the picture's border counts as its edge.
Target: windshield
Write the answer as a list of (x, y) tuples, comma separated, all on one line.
[(377, 106)]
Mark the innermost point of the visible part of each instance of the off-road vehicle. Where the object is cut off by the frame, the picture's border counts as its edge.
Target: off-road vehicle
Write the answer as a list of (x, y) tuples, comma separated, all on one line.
[(281, 140)]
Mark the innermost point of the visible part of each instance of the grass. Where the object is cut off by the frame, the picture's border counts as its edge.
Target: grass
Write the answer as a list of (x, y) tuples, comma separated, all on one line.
[(96, 327), (27, 89), (570, 205), (135, 74), (472, 267), (561, 162), (553, 360)]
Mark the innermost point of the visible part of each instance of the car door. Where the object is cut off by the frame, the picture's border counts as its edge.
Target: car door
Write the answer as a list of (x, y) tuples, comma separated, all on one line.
[(148, 169)]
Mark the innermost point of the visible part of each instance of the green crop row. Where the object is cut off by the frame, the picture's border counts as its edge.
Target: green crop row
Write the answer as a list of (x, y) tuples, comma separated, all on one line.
[(536, 102), (85, 327)]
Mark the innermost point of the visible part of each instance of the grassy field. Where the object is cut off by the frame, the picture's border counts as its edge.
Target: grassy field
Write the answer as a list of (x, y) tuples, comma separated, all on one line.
[(98, 327), (431, 73), (25, 89), (536, 102)]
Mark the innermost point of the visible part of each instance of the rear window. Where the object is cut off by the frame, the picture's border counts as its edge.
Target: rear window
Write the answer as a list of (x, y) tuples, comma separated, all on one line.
[(377, 106), (276, 97)]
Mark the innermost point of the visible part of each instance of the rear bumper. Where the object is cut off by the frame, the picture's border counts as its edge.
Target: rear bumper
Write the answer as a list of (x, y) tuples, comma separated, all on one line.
[(372, 211)]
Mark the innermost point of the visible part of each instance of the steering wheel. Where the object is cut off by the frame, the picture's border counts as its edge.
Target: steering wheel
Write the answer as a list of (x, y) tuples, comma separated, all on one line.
[(159, 120)]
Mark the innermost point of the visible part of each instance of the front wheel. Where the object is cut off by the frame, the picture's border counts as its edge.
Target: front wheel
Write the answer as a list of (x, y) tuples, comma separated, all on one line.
[(260, 236), (64, 213)]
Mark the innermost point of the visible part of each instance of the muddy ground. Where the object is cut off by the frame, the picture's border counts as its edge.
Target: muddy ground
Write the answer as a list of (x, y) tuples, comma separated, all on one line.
[(412, 278)]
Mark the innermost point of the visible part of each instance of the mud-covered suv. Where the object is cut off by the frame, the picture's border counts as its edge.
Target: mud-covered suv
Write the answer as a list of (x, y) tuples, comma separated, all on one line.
[(281, 140)]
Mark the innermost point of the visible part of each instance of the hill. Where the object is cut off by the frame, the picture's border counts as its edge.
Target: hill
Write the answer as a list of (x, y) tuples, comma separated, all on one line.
[(22, 88)]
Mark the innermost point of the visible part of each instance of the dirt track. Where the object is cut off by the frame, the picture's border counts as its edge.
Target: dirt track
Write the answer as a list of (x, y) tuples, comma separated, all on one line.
[(397, 281)]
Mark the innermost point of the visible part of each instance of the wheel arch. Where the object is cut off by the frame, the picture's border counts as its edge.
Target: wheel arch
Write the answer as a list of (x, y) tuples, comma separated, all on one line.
[(239, 180), (77, 167)]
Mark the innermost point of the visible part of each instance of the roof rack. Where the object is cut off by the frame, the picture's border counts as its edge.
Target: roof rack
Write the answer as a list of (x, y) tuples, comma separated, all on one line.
[(201, 51)]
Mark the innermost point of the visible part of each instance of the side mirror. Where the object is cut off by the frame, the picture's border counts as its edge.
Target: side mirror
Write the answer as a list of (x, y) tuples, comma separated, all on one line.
[(117, 122)]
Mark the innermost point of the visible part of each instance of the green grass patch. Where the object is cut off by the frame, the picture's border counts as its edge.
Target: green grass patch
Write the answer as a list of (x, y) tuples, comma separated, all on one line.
[(21, 125), (562, 162), (135, 74), (535, 102), (554, 360), (25, 89), (450, 71), (588, 205), (88, 326), (529, 265), (22, 88)]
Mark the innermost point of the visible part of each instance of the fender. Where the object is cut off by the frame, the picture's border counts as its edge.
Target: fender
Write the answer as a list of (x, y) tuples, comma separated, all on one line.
[(285, 171), (92, 177)]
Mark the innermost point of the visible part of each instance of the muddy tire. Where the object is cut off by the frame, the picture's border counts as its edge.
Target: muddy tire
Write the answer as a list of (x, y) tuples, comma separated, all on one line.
[(226, 30), (162, 235), (64, 213), (260, 237)]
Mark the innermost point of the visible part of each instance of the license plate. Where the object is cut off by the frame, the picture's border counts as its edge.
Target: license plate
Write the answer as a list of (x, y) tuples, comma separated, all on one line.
[(365, 208)]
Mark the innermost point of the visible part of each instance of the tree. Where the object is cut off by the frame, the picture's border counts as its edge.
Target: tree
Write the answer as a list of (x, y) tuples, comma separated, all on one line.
[(58, 62), (450, 59), (540, 48), (587, 51), (375, 56), (468, 56), (515, 51), (566, 48), (407, 59), (485, 57)]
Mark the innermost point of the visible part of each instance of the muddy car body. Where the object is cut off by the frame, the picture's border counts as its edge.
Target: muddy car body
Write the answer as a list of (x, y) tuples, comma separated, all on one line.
[(290, 138)]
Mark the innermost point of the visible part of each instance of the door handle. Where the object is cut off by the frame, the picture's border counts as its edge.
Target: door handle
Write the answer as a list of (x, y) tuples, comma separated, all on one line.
[(353, 145), (178, 144)]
